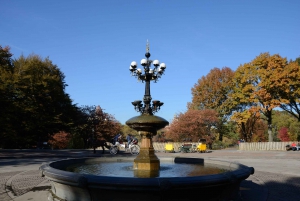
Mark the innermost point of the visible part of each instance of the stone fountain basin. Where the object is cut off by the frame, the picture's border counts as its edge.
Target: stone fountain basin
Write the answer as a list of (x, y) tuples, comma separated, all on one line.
[(78, 187)]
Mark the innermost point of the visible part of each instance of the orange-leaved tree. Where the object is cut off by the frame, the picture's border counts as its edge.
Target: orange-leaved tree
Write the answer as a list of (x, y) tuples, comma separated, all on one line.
[(246, 120), (257, 86), (211, 91), (94, 125), (193, 124), (59, 140)]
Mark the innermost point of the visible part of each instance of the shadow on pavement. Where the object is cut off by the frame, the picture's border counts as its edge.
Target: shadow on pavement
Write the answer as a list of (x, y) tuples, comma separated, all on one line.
[(25, 161), (284, 190), (265, 186)]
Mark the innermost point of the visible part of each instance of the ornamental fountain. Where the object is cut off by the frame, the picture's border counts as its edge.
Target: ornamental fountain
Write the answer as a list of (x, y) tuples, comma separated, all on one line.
[(146, 163), (149, 178)]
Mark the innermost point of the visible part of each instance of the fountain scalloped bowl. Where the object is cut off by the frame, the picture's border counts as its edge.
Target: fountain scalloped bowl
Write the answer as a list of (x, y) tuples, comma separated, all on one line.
[(73, 186)]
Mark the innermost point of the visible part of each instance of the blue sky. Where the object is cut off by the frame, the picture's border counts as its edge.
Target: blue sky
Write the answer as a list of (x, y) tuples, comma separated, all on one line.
[(93, 43)]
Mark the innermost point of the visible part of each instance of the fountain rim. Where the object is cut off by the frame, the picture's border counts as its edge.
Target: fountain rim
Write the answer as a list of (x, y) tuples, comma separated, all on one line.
[(50, 171)]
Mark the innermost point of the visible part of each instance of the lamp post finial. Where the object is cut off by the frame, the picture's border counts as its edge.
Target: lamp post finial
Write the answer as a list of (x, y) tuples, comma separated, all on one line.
[(147, 46)]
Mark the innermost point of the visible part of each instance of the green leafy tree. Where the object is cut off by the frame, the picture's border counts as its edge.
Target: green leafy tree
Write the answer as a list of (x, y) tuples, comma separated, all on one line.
[(283, 119), (40, 97), (38, 105), (294, 131), (126, 130), (297, 60), (7, 131), (231, 129)]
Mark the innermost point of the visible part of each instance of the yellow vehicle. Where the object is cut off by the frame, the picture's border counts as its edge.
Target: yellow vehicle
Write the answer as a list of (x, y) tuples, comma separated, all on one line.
[(169, 148), (201, 148)]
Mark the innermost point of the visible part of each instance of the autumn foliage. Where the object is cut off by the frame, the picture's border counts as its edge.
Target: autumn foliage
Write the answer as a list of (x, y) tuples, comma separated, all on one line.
[(260, 86), (96, 125), (59, 140), (250, 124), (249, 95), (283, 134), (193, 124), (211, 91)]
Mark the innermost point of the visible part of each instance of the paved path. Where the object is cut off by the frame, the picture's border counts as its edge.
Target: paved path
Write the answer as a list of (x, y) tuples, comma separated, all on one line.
[(276, 177)]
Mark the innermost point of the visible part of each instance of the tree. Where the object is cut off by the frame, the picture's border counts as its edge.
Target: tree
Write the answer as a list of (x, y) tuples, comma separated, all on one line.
[(161, 136), (271, 73), (94, 125), (231, 128), (35, 101), (212, 91), (283, 134), (125, 130), (257, 86), (259, 131), (283, 119), (193, 124), (297, 60), (290, 89), (40, 97), (59, 140), (246, 121), (294, 131), (7, 134)]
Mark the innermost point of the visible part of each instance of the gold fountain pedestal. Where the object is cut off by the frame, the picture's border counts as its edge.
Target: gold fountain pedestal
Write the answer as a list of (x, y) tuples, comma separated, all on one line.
[(146, 164)]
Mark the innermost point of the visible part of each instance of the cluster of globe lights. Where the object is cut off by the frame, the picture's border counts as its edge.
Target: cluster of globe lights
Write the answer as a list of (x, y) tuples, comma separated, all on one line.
[(149, 75), (155, 73)]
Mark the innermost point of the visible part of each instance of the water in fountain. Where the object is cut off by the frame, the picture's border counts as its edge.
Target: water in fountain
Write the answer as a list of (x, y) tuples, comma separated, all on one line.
[(125, 169)]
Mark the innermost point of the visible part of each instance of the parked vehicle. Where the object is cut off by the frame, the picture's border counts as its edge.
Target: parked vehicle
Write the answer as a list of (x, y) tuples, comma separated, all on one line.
[(169, 148), (296, 148), (133, 148), (188, 148), (201, 148), (293, 147)]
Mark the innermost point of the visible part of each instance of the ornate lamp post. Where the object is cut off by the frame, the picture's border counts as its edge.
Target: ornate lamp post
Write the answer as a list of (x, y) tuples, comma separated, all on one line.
[(150, 74), (147, 124)]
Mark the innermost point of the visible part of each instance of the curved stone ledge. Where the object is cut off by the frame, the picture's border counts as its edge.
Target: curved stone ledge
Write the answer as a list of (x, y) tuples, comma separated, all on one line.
[(73, 186)]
